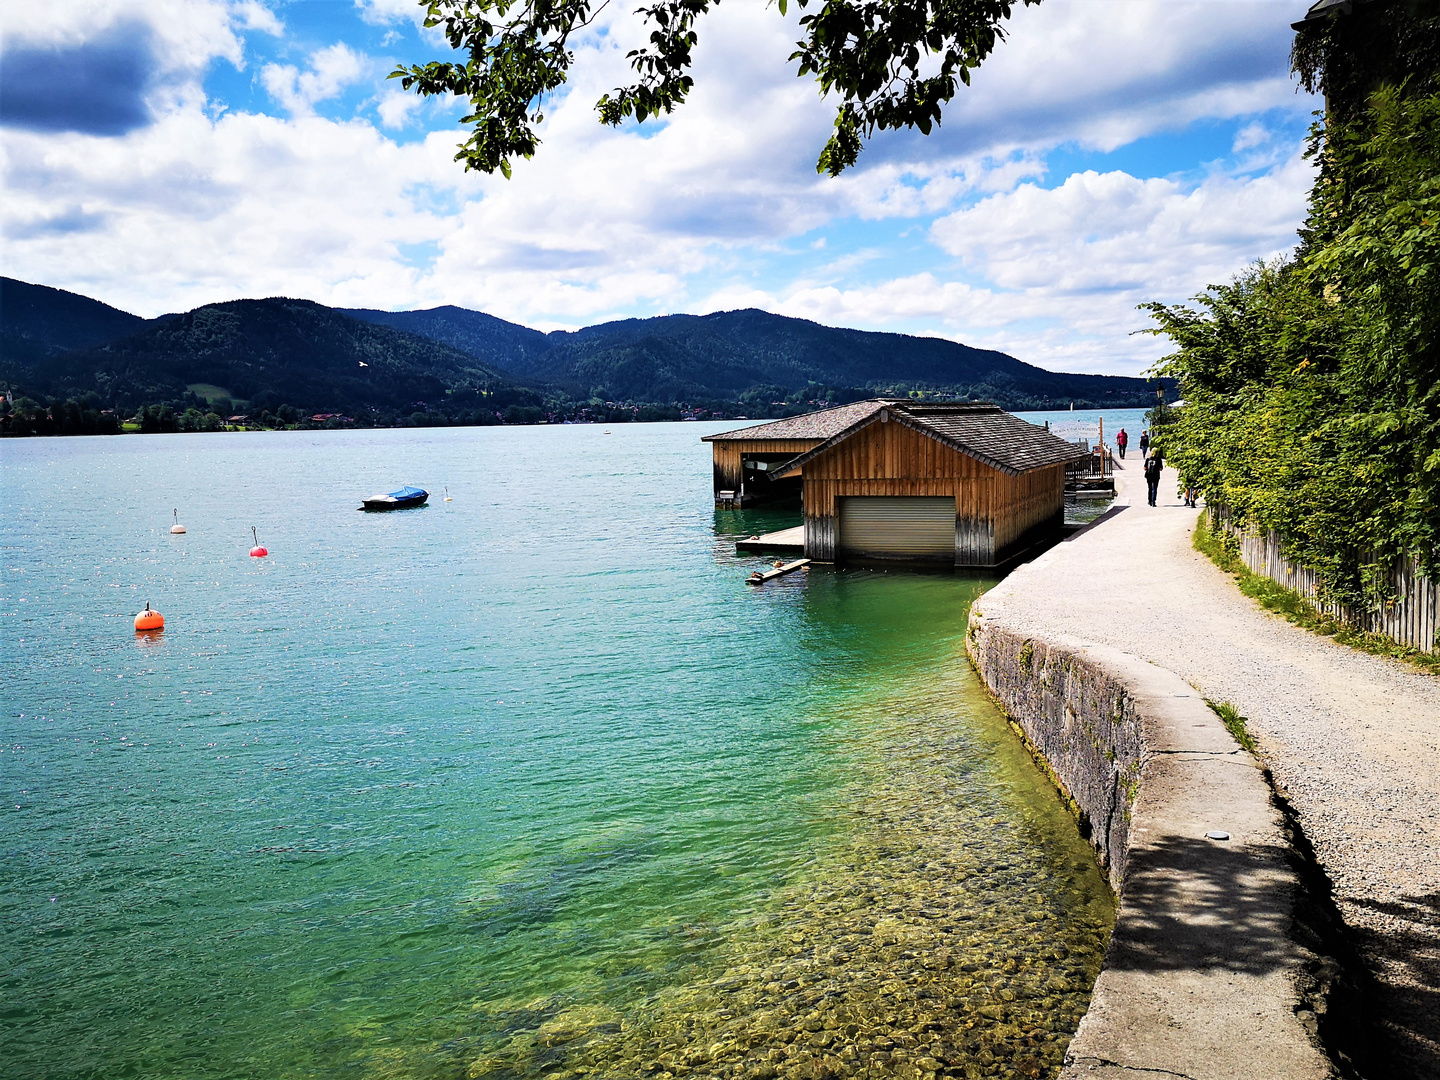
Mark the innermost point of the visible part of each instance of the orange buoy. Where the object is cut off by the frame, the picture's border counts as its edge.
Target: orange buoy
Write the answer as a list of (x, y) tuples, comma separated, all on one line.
[(177, 528), (149, 619), (257, 552)]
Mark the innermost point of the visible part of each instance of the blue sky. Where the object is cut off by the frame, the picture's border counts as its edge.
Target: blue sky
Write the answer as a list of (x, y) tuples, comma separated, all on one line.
[(161, 154)]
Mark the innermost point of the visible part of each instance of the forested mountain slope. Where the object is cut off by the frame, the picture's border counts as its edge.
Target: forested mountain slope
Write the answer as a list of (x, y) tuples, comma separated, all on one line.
[(504, 344), (463, 364), (724, 354), (270, 352), (37, 321)]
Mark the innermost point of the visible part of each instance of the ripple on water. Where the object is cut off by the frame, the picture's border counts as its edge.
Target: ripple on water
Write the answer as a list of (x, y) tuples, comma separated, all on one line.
[(943, 934), (526, 783)]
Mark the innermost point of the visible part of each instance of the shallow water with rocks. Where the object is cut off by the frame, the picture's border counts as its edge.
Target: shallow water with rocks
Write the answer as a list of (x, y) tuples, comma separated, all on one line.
[(943, 934), (525, 784)]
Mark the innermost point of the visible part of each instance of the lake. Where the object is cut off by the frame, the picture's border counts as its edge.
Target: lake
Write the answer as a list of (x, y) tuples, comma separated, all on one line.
[(525, 783)]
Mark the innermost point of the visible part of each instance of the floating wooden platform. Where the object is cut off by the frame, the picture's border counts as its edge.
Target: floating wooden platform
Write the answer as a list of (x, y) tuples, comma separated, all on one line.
[(784, 540), (759, 577), (1091, 487)]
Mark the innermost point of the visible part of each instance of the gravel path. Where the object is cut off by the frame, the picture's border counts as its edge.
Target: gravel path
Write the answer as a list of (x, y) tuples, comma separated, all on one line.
[(1353, 740)]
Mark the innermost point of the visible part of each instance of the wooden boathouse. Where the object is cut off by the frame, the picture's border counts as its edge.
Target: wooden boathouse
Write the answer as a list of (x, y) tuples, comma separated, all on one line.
[(745, 461), (960, 484)]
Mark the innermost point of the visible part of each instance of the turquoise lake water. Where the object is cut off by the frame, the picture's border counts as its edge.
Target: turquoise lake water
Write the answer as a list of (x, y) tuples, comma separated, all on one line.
[(525, 783), (1086, 424)]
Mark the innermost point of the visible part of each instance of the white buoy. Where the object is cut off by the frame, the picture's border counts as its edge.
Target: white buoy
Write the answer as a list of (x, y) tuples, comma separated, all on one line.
[(177, 527), (447, 495)]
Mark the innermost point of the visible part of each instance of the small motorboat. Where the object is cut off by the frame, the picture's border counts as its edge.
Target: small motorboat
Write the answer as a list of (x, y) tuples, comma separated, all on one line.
[(397, 500)]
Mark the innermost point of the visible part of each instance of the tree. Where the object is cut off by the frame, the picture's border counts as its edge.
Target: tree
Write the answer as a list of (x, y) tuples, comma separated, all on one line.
[(1349, 51), (1313, 384), (891, 63)]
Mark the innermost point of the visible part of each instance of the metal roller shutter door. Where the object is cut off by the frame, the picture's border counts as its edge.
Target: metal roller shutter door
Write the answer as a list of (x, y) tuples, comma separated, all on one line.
[(898, 527)]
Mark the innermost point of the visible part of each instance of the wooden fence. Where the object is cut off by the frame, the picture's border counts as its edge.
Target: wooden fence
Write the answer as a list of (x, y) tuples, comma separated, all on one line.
[(1413, 619)]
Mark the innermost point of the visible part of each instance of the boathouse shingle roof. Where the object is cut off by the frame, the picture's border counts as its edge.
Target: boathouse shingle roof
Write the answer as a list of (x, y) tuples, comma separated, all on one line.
[(815, 425), (984, 432)]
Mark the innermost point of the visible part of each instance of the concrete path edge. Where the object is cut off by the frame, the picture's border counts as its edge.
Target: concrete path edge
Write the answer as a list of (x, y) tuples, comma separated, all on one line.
[(1202, 978)]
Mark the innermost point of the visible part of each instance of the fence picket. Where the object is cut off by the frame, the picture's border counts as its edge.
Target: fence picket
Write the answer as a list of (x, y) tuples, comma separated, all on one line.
[(1412, 620)]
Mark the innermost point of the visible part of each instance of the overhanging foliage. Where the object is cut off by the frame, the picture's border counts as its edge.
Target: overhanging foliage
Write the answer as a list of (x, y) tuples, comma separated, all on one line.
[(1313, 384), (891, 63)]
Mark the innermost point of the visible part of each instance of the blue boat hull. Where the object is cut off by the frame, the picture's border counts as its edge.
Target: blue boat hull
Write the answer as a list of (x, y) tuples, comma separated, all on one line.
[(395, 501)]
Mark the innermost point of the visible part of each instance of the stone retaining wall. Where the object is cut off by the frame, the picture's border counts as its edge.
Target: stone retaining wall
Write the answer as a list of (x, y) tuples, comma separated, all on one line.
[(1203, 978), (1079, 722)]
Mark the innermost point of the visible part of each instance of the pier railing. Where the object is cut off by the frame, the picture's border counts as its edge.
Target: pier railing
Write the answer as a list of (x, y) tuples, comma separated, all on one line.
[(1413, 619), (1100, 463)]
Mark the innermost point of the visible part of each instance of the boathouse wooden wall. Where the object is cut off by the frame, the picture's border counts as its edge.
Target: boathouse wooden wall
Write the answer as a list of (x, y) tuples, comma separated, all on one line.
[(728, 454), (996, 515)]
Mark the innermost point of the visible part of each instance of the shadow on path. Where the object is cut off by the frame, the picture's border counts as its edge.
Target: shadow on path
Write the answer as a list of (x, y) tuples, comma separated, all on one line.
[(1206, 906), (1404, 944)]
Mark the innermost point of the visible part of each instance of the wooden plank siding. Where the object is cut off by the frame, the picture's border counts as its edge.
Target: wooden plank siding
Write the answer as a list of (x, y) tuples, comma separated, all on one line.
[(1025, 503), (1413, 619), (728, 455), (996, 514)]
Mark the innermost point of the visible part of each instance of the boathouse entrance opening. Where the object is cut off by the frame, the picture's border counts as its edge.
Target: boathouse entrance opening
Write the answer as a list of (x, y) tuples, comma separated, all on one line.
[(757, 483), (918, 528)]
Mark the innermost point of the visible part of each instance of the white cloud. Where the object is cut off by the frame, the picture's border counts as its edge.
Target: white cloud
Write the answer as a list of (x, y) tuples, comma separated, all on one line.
[(1054, 275), (395, 108), (384, 12), (1250, 136), (1104, 232), (702, 210), (189, 33), (332, 69), (254, 15)]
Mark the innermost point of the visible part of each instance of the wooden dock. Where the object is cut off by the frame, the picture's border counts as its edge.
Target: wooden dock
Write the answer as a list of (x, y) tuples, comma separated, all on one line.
[(759, 577), (784, 540)]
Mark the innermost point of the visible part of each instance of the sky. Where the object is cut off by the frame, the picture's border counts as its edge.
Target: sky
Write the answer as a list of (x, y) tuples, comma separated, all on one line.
[(163, 154)]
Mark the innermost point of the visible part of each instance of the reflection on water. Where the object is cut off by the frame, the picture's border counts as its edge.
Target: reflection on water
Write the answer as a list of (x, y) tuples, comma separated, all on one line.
[(1082, 511), (529, 783)]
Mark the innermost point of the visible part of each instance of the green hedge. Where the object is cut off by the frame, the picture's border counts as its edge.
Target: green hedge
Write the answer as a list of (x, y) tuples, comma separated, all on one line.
[(1313, 384)]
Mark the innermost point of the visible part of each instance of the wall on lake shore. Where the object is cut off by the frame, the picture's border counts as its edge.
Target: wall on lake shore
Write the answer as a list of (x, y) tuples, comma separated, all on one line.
[(1079, 722), (1203, 977)]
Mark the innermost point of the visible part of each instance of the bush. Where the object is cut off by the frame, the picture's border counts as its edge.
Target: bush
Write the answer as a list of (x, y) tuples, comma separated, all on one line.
[(1313, 384)]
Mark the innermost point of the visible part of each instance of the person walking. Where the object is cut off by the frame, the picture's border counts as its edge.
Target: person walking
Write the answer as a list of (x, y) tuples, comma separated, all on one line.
[(1122, 440), (1145, 443), (1153, 467)]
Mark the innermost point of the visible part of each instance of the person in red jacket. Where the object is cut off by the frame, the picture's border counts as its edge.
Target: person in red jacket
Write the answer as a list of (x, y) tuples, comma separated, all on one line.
[(1121, 441)]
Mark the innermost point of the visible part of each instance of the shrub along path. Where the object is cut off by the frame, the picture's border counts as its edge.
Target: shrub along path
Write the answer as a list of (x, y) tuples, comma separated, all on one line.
[(1352, 739)]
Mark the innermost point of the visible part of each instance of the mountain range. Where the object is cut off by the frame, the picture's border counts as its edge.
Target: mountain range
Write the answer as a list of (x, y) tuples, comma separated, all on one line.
[(458, 363)]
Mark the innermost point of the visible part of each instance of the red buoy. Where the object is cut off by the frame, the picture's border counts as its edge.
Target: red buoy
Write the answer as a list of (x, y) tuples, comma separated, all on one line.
[(257, 551), (149, 619)]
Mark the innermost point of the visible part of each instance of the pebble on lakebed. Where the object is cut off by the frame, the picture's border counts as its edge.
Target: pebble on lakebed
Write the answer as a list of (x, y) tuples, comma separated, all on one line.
[(940, 943)]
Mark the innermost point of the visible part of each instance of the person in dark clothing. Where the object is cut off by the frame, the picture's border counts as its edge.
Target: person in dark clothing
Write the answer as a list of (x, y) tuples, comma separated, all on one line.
[(1153, 465), (1145, 443), (1122, 440)]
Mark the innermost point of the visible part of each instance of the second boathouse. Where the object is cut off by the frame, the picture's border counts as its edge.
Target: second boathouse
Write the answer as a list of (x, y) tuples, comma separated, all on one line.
[(962, 484)]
